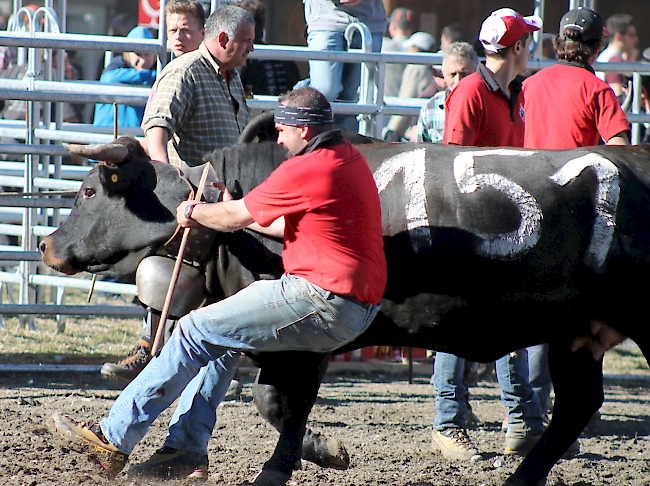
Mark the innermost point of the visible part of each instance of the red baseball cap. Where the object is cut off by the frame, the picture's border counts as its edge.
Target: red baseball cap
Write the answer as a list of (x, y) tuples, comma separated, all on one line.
[(504, 27)]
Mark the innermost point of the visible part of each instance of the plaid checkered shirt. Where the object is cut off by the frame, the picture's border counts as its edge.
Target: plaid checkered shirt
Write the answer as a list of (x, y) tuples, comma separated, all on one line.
[(199, 108), (431, 121)]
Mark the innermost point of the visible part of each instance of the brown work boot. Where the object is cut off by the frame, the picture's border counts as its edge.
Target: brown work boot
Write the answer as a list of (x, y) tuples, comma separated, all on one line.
[(455, 444), (88, 440), (127, 369)]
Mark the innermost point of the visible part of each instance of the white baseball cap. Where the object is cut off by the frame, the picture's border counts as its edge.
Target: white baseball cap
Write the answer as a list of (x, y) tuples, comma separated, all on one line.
[(504, 27)]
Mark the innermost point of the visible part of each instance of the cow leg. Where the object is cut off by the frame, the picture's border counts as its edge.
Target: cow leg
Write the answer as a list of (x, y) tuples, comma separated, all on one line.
[(578, 382), (285, 400)]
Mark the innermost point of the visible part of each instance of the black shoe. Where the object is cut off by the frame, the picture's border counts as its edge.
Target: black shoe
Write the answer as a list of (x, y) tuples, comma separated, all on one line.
[(89, 440), (170, 463), (127, 369)]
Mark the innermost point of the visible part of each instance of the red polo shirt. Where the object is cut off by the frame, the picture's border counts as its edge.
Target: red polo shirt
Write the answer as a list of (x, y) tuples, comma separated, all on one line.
[(478, 113), (567, 106)]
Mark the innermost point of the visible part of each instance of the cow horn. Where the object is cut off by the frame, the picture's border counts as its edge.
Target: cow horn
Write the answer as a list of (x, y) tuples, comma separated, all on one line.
[(113, 153)]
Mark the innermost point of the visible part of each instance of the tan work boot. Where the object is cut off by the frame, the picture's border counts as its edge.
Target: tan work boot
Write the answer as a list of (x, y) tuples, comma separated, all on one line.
[(455, 444)]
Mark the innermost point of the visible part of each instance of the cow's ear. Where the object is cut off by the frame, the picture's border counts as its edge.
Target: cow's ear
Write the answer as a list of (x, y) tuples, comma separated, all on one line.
[(115, 179)]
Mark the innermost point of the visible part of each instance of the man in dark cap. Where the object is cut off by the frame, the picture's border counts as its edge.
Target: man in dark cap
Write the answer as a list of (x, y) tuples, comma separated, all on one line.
[(566, 105)]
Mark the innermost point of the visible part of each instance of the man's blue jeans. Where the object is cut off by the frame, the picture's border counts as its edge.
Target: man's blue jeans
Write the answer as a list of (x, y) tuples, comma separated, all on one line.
[(524, 411), (289, 314)]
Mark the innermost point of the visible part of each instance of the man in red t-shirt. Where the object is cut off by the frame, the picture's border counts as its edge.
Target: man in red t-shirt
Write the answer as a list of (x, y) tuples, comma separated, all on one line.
[(324, 203), (566, 105)]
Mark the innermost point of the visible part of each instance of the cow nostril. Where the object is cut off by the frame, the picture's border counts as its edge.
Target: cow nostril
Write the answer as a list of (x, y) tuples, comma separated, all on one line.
[(42, 246)]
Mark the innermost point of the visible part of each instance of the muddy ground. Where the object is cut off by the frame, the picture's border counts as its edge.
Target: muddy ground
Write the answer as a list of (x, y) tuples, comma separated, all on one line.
[(385, 422)]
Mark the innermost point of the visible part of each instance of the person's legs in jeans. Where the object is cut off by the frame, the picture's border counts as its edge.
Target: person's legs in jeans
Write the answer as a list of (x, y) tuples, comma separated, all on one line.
[(448, 371), (198, 405), (524, 412), (326, 76), (449, 435), (271, 315), (334, 79), (539, 375)]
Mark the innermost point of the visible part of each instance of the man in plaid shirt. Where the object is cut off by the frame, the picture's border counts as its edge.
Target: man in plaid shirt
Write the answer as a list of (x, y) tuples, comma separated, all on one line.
[(459, 61), (199, 103)]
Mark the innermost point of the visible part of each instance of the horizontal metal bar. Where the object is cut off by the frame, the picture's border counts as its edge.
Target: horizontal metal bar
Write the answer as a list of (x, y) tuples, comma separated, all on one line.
[(74, 310), (45, 368), (78, 283), (74, 91), (28, 256), (46, 40), (34, 149), (41, 202)]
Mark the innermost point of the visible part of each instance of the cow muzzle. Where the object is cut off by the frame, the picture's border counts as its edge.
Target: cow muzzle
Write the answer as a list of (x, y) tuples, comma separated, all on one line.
[(51, 260)]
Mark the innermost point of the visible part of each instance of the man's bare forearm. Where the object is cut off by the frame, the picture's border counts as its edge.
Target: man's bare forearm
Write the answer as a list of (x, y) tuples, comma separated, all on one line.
[(156, 144)]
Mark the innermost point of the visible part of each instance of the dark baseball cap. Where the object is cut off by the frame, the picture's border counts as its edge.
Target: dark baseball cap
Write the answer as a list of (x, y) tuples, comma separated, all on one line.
[(403, 17), (586, 21)]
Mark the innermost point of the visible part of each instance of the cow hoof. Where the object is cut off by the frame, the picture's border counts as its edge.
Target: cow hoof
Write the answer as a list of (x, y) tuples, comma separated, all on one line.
[(271, 477), (326, 452)]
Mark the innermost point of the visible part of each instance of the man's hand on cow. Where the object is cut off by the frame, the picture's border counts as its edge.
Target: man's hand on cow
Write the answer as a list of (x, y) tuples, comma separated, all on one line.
[(225, 193), (601, 338)]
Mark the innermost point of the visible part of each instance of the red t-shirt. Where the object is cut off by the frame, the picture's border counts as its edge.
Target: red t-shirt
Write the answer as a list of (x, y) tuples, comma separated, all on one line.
[(478, 116), (567, 106), (333, 235)]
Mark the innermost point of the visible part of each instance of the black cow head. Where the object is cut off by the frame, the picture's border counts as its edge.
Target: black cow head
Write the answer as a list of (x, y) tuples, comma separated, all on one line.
[(123, 212)]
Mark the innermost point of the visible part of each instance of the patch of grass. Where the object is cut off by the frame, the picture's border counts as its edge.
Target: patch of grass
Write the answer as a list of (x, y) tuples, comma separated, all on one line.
[(625, 359), (83, 336)]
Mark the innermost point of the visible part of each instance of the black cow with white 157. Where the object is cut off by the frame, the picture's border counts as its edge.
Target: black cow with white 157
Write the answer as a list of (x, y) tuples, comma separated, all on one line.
[(489, 251)]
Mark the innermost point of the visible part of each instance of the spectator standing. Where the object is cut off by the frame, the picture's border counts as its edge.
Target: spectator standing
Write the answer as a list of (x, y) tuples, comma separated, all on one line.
[(265, 76), (133, 69), (326, 24), (485, 110), (459, 61), (195, 91), (199, 103), (415, 79), (588, 109), (302, 201), (622, 42), (401, 25), (570, 91)]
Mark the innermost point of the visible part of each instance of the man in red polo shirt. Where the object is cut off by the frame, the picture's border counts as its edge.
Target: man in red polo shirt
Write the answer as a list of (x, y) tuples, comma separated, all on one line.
[(567, 105), (486, 110), (324, 203)]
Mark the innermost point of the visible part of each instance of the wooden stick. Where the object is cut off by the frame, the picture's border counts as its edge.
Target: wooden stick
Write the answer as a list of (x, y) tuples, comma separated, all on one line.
[(114, 120), (92, 288), (157, 344)]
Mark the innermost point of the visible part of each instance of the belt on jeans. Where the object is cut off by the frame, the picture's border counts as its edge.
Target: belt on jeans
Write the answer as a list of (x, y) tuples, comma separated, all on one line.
[(365, 305)]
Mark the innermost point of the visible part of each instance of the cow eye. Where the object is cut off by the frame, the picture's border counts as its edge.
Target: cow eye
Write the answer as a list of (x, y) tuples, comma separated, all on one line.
[(89, 192)]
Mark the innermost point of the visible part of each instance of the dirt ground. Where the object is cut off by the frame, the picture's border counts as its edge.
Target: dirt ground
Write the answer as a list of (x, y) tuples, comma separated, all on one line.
[(384, 421)]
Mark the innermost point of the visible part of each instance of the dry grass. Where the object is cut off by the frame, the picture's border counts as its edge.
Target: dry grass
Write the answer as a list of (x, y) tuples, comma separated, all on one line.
[(87, 336)]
